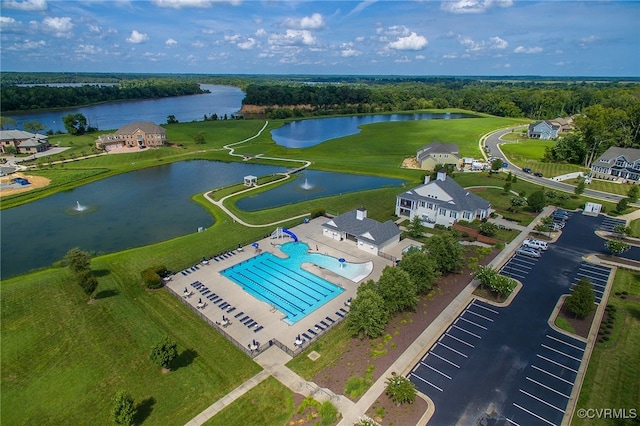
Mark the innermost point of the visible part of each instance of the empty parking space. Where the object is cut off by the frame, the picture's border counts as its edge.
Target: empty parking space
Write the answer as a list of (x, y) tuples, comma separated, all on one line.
[(609, 223), (544, 392), (598, 275), (450, 352), (518, 266)]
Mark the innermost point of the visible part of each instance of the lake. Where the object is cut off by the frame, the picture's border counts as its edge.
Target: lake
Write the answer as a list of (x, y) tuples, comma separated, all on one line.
[(307, 133), (312, 184), (144, 207), (222, 100)]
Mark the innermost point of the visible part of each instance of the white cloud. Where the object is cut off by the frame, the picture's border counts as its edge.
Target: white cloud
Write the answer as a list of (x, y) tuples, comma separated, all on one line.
[(527, 50), (170, 42), (260, 32), (420, 57), (248, 44), (87, 49), (293, 38), (586, 41), (349, 52), (60, 27), (403, 60), (313, 22), (26, 5), (197, 4), (7, 23), (410, 42), (498, 43), (28, 45), (472, 6), (361, 6), (137, 37)]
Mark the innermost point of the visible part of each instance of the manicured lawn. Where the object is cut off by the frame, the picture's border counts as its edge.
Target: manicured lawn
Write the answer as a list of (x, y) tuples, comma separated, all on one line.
[(635, 228), (604, 186), (614, 369), (269, 403), (529, 153)]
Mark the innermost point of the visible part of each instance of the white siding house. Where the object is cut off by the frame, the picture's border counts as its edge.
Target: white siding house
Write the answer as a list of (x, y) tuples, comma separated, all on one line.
[(619, 162), (441, 202), (367, 234)]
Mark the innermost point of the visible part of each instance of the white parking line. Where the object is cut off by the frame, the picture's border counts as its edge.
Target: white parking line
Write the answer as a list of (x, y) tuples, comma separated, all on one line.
[(481, 316), (429, 383), (556, 363), (444, 359), (436, 370), (590, 279), (542, 400), (460, 340), (511, 421), (552, 375), (484, 307), (471, 322), (534, 414), (590, 271), (547, 387), (453, 350), (519, 266), (466, 331), (511, 274), (561, 353), (566, 343)]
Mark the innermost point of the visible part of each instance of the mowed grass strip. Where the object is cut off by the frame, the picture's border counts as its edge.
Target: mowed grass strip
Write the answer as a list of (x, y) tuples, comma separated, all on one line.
[(269, 403), (529, 153), (614, 371)]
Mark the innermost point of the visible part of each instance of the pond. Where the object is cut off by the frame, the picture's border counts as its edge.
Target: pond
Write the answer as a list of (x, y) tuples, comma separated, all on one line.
[(312, 184), (145, 207), (129, 210), (307, 133)]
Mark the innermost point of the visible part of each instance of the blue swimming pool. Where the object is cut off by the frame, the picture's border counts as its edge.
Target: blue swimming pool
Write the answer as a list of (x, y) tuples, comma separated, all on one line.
[(284, 284)]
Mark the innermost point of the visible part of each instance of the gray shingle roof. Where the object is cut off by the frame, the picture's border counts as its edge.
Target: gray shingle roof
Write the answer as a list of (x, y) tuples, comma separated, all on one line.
[(366, 229), (460, 199), (437, 148), (607, 159)]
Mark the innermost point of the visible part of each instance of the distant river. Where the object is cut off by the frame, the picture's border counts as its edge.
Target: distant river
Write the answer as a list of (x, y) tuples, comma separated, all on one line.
[(222, 100)]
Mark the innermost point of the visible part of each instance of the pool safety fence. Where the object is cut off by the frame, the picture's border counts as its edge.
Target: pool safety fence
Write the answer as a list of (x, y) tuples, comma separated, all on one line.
[(313, 334)]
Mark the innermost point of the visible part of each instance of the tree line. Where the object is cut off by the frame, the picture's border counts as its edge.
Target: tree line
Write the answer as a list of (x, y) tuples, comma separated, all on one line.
[(21, 98), (534, 100)]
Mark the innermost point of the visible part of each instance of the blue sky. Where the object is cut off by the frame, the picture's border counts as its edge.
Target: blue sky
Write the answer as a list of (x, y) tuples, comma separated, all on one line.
[(427, 37)]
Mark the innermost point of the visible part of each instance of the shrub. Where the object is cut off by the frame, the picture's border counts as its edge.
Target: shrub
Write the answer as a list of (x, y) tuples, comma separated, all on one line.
[(401, 390), (152, 276)]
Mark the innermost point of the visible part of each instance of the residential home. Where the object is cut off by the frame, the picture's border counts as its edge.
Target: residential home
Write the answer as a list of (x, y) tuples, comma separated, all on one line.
[(441, 202), (543, 130), (623, 163), (565, 125), (368, 235), (23, 142), (140, 134), (436, 154)]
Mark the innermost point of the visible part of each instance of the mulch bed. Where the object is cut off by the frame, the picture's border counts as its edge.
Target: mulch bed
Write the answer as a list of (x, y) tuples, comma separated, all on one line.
[(581, 326), (403, 329)]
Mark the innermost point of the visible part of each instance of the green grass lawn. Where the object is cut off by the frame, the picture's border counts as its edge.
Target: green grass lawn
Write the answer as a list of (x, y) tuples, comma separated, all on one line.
[(269, 403), (529, 153), (613, 374)]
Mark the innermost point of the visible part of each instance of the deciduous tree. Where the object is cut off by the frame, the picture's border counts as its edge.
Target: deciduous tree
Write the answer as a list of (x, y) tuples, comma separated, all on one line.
[(123, 410), (582, 299), (401, 390), (368, 315), (447, 252), (163, 352), (77, 260), (537, 200), (616, 247), (416, 228), (422, 269), (398, 290)]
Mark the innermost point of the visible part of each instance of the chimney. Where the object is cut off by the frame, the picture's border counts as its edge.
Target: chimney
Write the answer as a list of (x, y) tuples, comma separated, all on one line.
[(427, 178), (361, 213), (442, 175)]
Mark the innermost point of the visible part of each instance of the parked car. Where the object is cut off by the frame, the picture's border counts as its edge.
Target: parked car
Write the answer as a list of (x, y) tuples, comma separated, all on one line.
[(537, 174), (527, 170), (528, 251), (557, 226), (535, 244), (557, 215)]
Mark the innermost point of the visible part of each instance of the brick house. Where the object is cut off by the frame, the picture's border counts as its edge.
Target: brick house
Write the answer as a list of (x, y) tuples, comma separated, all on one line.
[(140, 134), (23, 142)]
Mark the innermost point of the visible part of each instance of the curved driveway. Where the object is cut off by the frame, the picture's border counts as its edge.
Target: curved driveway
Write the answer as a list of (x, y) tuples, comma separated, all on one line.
[(493, 142)]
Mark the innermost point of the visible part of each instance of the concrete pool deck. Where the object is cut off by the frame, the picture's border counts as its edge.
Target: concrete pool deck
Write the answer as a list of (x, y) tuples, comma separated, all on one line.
[(274, 327)]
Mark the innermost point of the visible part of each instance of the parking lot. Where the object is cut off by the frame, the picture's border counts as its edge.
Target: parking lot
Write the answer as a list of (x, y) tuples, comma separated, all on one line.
[(506, 365), (609, 223)]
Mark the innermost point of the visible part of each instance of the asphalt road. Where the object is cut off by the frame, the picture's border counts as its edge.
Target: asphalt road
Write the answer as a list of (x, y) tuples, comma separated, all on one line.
[(506, 366), (493, 140)]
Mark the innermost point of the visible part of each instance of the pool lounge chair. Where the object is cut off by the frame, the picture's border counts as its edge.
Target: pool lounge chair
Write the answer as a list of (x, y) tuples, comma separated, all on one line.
[(324, 323), (244, 319), (231, 309), (318, 326), (306, 336), (331, 320), (338, 313), (251, 324), (258, 329), (239, 314), (312, 332)]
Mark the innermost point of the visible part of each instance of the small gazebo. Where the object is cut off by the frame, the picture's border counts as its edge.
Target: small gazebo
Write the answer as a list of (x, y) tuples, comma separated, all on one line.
[(250, 181)]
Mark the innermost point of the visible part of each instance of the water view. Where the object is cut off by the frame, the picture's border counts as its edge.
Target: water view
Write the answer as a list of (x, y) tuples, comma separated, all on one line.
[(129, 210), (307, 133), (222, 100), (313, 184)]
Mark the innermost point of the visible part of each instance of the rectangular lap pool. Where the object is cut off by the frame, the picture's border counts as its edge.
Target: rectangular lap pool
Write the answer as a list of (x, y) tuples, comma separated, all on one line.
[(283, 283)]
